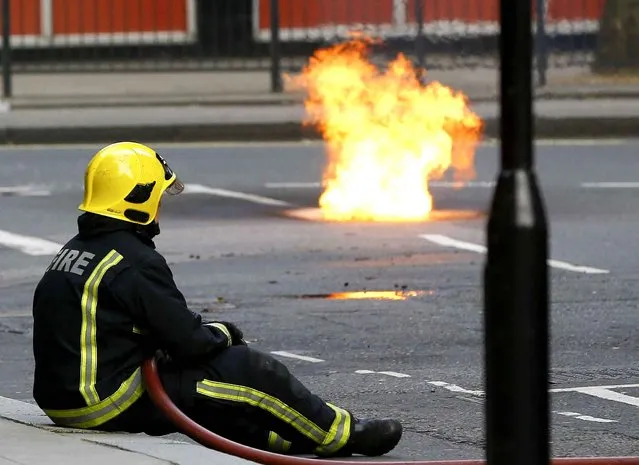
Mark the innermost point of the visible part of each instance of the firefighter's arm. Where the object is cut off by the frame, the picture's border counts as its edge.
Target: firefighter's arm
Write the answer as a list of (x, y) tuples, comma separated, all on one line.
[(149, 290)]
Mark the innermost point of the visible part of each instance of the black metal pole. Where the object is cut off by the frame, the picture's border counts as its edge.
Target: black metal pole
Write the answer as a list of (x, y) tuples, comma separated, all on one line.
[(276, 71), (419, 37), (516, 297), (7, 90), (542, 44)]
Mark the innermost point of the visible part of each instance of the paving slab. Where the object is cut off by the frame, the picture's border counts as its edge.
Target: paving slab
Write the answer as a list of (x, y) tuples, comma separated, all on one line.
[(26, 445), (28, 437)]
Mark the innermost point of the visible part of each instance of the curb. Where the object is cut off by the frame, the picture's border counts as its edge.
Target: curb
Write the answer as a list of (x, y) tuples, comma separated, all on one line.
[(273, 100), (545, 127)]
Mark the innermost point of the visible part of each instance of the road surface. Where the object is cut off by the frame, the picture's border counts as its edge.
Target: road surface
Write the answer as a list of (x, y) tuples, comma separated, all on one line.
[(238, 256)]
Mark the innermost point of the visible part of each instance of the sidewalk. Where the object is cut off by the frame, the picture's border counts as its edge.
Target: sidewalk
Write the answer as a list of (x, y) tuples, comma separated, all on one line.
[(28, 438), (208, 106), (65, 90), (568, 118)]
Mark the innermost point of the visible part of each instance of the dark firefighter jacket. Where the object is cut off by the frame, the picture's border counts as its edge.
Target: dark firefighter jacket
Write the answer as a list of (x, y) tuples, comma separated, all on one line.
[(106, 302)]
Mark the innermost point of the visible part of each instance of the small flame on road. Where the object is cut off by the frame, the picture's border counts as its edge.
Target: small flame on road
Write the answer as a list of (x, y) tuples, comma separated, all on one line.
[(369, 295), (386, 133)]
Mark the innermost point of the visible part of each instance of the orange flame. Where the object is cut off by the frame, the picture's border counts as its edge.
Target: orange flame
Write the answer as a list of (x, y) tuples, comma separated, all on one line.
[(386, 134)]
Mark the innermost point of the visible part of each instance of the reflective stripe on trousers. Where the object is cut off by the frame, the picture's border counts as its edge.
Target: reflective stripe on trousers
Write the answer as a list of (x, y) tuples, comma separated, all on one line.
[(328, 441), (97, 414), (277, 443)]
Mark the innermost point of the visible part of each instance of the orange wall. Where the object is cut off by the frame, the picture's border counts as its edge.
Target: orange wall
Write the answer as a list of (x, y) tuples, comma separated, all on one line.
[(104, 16), (576, 9), (314, 13), (25, 17), (462, 10), (488, 10)]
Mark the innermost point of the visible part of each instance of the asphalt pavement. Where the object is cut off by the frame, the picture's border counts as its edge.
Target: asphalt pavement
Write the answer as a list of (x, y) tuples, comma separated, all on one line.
[(238, 255)]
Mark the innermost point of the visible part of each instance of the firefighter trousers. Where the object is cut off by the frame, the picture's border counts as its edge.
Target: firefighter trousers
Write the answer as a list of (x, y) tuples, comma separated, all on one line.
[(249, 397)]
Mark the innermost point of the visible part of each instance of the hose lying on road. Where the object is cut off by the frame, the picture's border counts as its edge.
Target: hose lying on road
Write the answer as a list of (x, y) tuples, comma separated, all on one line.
[(209, 439)]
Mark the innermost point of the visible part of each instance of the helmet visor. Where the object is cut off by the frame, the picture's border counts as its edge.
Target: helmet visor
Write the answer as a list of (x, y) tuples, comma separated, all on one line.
[(176, 186)]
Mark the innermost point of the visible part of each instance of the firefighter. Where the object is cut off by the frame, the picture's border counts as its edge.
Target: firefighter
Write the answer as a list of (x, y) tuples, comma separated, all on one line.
[(108, 301)]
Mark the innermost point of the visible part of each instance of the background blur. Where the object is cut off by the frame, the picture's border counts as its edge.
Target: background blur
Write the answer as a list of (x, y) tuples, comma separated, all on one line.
[(238, 48)]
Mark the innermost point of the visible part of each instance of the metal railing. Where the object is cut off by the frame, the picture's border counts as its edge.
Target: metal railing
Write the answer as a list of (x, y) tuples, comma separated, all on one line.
[(276, 35)]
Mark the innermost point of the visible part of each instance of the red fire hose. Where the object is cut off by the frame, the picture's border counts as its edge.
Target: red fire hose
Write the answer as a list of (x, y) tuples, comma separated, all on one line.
[(209, 439)]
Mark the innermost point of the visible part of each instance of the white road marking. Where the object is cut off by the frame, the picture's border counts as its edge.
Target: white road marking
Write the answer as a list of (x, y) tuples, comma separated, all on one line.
[(446, 241), (610, 185), (597, 391), (200, 189), (293, 185), (610, 386), (24, 191), (585, 417), (607, 394), (455, 388), (460, 184), (569, 142), (29, 245), (161, 145), (394, 374), (317, 185), (283, 353)]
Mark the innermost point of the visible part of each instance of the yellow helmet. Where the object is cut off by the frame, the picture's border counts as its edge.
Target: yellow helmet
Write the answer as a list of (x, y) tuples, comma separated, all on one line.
[(126, 181)]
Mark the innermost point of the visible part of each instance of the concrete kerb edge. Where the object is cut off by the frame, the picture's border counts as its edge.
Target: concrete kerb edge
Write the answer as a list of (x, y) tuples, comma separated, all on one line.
[(547, 128), (270, 100), (166, 449)]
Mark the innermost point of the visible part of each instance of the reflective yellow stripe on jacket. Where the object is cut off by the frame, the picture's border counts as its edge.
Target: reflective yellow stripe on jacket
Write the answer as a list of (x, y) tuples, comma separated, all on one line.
[(88, 343), (97, 411), (94, 415), (328, 441)]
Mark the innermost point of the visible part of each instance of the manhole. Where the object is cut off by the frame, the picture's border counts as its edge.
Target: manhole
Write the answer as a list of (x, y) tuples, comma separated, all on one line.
[(315, 214)]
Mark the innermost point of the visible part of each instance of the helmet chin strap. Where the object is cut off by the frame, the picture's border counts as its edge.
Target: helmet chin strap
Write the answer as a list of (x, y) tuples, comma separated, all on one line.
[(149, 230)]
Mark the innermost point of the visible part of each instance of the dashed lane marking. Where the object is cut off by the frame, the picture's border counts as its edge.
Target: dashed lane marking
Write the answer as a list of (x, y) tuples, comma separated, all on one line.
[(201, 189), (477, 393), (28, 244), (394, 374), (283, 353), (4, 149), (455, 388), (579, 416), (24, 191), (463, 185), (606, 392), (610, 185), (317, 185), (446, 241)]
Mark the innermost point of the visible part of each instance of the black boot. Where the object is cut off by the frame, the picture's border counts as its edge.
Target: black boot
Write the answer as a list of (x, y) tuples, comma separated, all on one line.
[(373, 437)]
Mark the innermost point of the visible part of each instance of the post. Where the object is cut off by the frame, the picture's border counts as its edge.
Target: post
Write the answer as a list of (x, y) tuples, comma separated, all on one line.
[(7, 90), (419, 36), (276, 72), (542, 43), (516, 271)]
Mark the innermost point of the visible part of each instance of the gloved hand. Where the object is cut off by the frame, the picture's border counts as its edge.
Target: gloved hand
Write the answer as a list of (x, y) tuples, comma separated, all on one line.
[(237, 337)]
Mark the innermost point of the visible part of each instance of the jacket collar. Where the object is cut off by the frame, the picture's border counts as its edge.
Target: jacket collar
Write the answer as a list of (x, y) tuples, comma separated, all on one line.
[(91, 225)]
